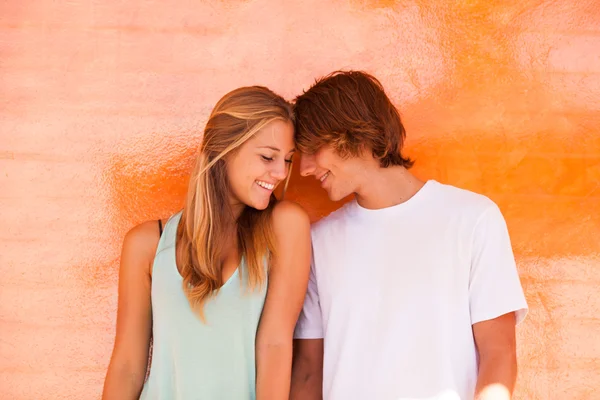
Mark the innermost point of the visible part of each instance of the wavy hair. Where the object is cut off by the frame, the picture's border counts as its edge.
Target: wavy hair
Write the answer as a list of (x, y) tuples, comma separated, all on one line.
[(207, 219)]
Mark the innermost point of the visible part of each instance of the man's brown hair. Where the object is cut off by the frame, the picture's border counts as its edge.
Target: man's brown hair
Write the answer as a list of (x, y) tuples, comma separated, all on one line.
[(350, 111)]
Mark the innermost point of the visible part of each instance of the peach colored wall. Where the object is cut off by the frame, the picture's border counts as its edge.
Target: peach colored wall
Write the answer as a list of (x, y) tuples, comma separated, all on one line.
[(102, 104)]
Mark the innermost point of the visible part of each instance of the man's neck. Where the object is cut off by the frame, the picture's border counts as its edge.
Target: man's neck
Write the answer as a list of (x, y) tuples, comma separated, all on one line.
[(387, 187)]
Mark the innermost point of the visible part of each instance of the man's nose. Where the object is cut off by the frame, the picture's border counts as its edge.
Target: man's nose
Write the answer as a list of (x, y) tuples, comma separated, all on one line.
[(307, 165)]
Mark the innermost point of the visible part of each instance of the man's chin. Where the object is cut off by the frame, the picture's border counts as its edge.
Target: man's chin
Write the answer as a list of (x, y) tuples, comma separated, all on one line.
[(333, 196), (338, 196)]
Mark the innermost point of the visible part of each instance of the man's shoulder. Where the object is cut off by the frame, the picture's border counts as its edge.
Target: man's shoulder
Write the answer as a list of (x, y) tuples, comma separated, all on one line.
[(458, 199), (332, 221)]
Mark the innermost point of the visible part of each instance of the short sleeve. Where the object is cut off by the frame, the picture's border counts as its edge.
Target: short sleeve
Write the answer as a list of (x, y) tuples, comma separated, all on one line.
[(310, 322), (494, 286)]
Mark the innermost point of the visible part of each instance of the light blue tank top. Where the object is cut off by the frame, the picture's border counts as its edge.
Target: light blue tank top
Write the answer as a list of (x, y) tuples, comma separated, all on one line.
[(195, 360)]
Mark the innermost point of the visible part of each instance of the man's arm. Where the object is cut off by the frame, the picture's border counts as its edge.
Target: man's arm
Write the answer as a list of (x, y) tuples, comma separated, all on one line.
[(496, 345), (307, 370), (307, 363), (497, 305)]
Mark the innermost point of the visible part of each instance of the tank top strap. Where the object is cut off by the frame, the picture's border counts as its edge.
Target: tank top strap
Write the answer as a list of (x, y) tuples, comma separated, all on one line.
[(169, 234)]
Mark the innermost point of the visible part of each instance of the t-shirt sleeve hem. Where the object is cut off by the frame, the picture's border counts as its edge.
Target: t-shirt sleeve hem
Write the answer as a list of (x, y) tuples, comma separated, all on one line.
[(308, 334), (520, 314)]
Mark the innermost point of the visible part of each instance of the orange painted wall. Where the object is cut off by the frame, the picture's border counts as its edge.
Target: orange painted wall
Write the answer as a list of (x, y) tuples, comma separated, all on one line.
[(102, 104)]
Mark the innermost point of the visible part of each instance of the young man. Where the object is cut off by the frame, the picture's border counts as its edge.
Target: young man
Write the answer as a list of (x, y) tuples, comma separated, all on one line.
[(414, 291)]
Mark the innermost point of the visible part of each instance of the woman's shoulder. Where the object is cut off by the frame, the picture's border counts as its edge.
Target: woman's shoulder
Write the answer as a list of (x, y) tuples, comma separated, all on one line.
[(289, 215), (141, 241), (145, 232), (289, 209)]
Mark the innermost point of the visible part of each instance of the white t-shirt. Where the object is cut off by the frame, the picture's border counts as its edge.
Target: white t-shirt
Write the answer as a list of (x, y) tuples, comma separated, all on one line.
[(394, 293)]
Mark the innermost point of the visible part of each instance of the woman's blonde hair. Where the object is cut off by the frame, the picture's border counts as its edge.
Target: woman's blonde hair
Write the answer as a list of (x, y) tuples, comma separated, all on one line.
[(207, 218)]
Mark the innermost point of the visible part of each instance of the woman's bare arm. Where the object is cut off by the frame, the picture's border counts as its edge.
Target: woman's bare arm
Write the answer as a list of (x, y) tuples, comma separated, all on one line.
[(288, 280), (129, 360)]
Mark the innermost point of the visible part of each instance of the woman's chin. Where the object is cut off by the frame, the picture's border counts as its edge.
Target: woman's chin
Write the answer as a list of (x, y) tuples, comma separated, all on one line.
[(258, 204)]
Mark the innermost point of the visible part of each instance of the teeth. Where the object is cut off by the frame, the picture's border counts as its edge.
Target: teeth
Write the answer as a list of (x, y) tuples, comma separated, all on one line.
[(265, 185), (324, 176)]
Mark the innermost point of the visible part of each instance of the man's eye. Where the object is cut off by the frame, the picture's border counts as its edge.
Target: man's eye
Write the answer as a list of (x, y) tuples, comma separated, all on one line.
[(289, 161)]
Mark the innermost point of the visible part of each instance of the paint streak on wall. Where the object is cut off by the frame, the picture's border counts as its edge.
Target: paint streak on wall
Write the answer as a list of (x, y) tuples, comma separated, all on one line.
[(103, 105)]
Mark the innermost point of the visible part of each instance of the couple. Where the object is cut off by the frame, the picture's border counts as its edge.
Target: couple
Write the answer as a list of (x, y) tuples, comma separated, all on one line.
[(410, 291)]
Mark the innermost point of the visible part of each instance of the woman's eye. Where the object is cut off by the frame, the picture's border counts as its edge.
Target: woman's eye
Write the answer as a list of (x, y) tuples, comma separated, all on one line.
[(289, 161), (267, 158)]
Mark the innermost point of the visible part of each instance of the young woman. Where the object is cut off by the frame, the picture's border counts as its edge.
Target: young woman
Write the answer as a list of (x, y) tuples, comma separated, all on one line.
[(219, 286)]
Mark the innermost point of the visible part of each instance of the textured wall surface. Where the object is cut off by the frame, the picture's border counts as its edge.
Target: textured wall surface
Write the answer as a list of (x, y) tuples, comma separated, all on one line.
[(103, 102)]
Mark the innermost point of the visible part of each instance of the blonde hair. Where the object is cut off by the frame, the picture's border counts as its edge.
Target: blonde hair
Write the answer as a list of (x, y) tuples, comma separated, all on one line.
[(207, 217)]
